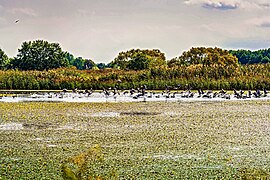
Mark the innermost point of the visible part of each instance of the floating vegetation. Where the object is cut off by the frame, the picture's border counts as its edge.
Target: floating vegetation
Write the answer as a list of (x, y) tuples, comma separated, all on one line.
[(150, 140), (82, 166), (253, 173), (38, 125)]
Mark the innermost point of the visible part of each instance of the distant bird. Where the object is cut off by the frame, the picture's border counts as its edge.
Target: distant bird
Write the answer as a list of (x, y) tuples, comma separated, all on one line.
[(200, 92), (106, 92), (208, 94), (88, 92), (215, 94), (17, 21), (265, 92), (222, 92), (236, 94), (257, 93), (249, 94)]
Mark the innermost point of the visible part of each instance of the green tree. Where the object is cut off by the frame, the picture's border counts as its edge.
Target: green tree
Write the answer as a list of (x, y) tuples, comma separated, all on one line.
[(101, 65), (137, 59), (252, 57), (82, 64), (89, 64), (139, 62), (39, 55), (4, 60), (70, 58), (79, 62), (265, 59), (206, 57)]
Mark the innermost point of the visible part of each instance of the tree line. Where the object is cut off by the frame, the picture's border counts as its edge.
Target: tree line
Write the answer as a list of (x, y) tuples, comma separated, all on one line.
[(43, 65), (252, 57), (42, 55)]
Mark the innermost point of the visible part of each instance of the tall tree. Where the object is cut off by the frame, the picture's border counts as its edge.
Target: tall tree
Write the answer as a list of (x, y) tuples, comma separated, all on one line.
[(4, 60), (137, 59), (39, 55), (206, 57), (252, 57), (79, 62)]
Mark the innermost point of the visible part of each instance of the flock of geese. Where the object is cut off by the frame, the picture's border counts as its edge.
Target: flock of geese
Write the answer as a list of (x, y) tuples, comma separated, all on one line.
[(142, 92)]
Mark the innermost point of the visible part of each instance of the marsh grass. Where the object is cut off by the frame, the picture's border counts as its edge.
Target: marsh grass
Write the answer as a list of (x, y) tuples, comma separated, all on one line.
[(150, 140), (252, 173)]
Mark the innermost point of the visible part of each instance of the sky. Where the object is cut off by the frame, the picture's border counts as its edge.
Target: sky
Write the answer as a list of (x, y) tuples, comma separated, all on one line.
[(100, 29)]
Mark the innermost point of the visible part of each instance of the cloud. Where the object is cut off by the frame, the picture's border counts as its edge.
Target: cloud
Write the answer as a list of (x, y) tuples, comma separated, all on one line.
[(229, 4), (2, 20), (214, 4), (220, 5), (263, 22), (24, 11)]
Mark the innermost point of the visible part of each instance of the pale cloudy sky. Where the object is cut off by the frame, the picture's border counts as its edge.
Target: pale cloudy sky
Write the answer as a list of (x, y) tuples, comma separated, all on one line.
[(99, 29)]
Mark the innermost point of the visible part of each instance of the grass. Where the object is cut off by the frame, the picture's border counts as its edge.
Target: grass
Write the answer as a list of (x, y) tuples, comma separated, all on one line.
[(151, 140)]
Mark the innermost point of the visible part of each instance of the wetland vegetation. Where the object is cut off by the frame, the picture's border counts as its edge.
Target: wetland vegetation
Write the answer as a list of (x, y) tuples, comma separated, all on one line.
[(41, 65), (138, 140)]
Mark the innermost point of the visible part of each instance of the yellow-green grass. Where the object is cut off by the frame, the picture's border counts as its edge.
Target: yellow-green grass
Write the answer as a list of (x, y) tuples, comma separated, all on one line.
[(146, 140)]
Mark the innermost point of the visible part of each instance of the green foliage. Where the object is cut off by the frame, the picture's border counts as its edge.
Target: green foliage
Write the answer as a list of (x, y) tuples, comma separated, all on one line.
[(139, 62), (102, 66), (252, 57), (79, 62), (252, 173), (151, 140), (39, 55), (214, 57), (4, 60), (79, 167), (243, 77), (205, 68), (137, 59)]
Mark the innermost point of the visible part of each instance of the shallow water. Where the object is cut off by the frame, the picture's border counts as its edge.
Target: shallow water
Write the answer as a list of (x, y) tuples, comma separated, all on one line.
[(99, 97), (106, 114), (11, 127)]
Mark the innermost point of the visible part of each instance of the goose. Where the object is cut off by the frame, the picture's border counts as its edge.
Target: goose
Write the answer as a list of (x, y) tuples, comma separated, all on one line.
[(132, 91), (143, 90), (236, 94), (88, 92), (125, 92), (208, 94), (249, 94), (257, 93), (106, 92), (215, 94), (222, 92), (173, 95), (115, 91), (200, 92), (265, 92)]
